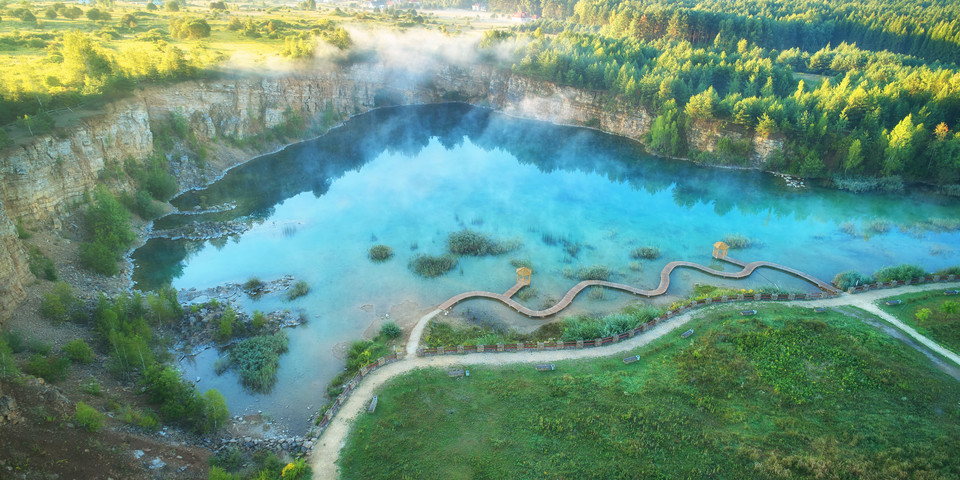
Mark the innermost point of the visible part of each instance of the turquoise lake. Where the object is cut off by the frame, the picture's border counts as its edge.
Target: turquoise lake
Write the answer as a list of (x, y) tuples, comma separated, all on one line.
[(407, 177)]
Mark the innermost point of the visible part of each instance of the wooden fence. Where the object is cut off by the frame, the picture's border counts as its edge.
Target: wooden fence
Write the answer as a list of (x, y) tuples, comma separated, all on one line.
[(599, 342), (350, 387)]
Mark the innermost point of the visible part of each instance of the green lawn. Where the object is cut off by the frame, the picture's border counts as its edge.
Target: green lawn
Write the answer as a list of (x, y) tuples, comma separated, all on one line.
[(941, 324), (787, 393)]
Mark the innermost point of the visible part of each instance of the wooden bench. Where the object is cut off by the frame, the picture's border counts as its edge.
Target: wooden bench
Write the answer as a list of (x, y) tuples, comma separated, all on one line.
[(456, 373), (545, 367), (951, 292), (893, 302), (820, 309), (632, 359), (373, 405), (747, 312), (687, 333)]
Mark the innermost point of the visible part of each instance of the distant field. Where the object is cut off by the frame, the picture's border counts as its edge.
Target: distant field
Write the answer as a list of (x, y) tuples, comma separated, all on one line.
[(941, 322), (785, 394), (137, 46)]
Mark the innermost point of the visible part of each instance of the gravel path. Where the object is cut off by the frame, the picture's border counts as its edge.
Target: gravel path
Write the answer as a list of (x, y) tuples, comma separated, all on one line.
[(327, 450)]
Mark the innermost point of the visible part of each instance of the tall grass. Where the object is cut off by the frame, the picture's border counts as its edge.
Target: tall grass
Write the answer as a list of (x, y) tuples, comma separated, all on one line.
[(430, 266)]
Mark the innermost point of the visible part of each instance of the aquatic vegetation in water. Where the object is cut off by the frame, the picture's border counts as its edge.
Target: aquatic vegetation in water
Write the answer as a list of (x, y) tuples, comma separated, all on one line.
[(380, 253), (593, 272), (636, 266), (596, 293), (849, 228), (737, 241), (572, 248), (253, 287), (878, 226), (526, 293), (257, 359), (470, 242), (299, 289), (646, 253), (522, 263), (430, 266)]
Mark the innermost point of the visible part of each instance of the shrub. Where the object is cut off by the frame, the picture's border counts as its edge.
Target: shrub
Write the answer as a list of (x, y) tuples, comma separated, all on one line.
[(50, 368), (98, 258), (950, 307), (92, 387), (143, 205), (8, 367), (469, 242), (217, 473), (61, 304), (88, 417), (78, 351), (228, 459), (390, 330), (14, 339), (845, 280), (595, 272), (35, 345), (430, 266), (225, 327), (215, 412), (949, 271), (180, 401), (22, 232), (40, 265), (256, 360), (108, 225), (296, 470), (380, 253), (923, 315), (259, 320), (647, 253), (899, 273)]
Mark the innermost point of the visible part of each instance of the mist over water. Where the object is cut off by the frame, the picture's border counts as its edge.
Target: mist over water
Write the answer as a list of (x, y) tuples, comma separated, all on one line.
[(406, 177)]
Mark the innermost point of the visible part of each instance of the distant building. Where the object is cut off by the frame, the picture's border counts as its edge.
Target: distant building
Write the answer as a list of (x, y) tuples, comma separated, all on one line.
[(523, 17), (379, 5), (479, 7)]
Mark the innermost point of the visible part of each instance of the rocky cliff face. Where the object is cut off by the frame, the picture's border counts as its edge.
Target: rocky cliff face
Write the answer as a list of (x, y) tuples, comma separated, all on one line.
[(41, 180)]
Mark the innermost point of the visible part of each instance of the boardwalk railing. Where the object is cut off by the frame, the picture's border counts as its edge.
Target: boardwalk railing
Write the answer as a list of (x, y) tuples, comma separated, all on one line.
[(350, 387), (514, 347)]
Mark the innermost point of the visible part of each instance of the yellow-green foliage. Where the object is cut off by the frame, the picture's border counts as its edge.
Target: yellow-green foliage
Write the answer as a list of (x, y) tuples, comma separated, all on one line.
[(88, 417)]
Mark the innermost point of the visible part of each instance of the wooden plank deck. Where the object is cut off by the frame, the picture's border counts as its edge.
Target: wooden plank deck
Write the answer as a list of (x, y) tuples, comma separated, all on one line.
[(747, 270)]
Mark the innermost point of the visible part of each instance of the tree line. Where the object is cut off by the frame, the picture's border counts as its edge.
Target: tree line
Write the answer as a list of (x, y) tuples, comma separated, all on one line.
[(856, 112)]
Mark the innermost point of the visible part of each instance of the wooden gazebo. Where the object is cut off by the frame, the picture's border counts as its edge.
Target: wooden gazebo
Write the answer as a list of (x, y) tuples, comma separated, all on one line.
[(523, 275), (720, 250)]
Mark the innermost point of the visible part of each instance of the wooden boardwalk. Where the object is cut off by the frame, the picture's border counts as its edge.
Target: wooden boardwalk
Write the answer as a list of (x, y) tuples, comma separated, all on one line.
[(747, 270)]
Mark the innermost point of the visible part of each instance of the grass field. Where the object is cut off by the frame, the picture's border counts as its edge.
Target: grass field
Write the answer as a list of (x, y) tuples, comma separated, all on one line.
[(941, 323), (785, 394)]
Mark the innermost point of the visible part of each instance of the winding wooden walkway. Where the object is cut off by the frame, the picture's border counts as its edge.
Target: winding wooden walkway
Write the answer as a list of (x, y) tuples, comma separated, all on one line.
[(748, 269)]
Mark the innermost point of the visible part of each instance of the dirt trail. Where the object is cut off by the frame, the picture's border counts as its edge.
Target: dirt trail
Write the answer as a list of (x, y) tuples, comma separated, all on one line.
[(328, 446)]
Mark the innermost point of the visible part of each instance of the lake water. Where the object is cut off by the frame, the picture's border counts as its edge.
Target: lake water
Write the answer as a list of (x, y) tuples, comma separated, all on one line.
[(407, 177)]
